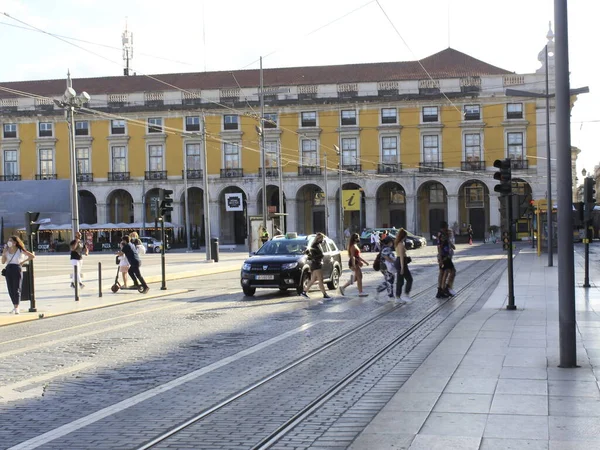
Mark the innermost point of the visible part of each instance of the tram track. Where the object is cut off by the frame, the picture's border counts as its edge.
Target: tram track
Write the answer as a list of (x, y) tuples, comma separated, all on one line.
[(288, 424)]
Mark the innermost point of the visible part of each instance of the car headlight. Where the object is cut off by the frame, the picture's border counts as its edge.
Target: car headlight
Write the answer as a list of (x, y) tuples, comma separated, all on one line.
[(289, 266), (246, 267)]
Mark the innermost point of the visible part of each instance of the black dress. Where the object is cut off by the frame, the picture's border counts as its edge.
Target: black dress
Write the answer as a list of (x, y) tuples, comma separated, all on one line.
[(316, 257)]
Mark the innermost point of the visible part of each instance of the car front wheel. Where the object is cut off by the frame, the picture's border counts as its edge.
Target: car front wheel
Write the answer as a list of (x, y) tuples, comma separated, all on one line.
[(366, 248), (157, 249), (335, 279), (249, 291), (303, 282)]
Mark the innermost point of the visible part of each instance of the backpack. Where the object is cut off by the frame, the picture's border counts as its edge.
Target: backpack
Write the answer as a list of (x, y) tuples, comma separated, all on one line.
[(377, 262)]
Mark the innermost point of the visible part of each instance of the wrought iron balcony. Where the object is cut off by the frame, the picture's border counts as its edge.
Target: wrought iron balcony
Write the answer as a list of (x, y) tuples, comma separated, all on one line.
[(156, 175), (46, 176), (389, 168), (269, 172), (519, 164), (309, 170), (472, 165), (232, 173), (118, 176), (85, 177), (192, 174), (10, 177), (431, 166), (352, 167)]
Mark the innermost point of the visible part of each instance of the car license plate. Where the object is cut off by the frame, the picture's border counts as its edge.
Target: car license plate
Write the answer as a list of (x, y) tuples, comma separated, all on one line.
[(265, 277)]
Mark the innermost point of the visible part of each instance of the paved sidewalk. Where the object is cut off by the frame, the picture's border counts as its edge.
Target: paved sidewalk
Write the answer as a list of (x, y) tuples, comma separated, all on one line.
[(55, 297), (493, 382)]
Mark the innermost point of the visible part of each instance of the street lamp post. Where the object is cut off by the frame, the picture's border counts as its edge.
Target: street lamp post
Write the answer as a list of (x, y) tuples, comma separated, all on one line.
[(69, 102), (341, 212), (326, 197)]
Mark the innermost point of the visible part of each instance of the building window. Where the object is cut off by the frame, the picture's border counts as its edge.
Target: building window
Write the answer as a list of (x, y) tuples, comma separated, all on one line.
[(349, 152), (472, 147), (230, 122), (349, 117), (474, 196), (515, 146), (155, 156), (436, 193), (472, 112), (82, 128), (46, 161), (192, 152), (271, 154), (45, 129), (431, 149), (271, 120), (119, 159), (430, 114), (389, 115), (389, 150), (10, 130), (192, 123), (83, 160), (117, 127), (155, 125), (514, 111), (232, 155), (309, 119), (10, 163), (309, 153)]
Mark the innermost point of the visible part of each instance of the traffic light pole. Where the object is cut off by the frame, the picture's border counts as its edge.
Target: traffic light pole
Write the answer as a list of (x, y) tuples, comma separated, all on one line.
[(511, 286), (586, 279), (163, 287), (32, 307)]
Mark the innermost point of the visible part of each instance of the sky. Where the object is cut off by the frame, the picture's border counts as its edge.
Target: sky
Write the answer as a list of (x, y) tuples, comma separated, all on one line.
[(198, 35)]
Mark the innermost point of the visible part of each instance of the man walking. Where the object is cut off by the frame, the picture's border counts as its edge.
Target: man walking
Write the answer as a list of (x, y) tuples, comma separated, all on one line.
[(134, 262), (78, 250)]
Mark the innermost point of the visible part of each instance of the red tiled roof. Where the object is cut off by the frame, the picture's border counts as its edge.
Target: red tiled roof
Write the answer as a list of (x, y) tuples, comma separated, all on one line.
[(448, 63)]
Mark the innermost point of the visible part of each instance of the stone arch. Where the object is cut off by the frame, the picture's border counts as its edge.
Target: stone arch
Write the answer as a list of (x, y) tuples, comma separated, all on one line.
[(272, 205), (233, 225), (87, 207), (120, 206), (391, 205), (354, 211), (196, 213), (474, 207), (432, 198), (311, 211)]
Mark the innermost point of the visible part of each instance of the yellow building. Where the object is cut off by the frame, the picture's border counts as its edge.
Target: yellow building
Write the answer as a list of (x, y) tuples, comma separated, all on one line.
[(418, 146)]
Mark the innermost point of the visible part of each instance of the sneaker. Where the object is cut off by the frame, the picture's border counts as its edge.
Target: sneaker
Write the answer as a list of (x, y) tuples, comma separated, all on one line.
[(451, 291), (327, 297), (363, 294), (17, 311), (73, 285), (447, 293), (441, 294), (304, 294), (145, 290), (406, 298), (81, 285), (399, 301), (342, 291)]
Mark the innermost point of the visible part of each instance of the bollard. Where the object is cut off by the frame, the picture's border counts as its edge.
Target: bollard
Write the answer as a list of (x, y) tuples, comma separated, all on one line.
[(214, 249), (99, 279), (76, 282)]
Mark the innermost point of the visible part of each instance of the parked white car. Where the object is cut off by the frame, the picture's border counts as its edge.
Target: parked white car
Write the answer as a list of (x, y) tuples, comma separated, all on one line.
[(151, 244)]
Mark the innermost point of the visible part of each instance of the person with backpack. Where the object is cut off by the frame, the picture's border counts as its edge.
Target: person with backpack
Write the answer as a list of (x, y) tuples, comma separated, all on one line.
[(355, 262), (447, 271), (387, 267), (135, 240), (402, 270)]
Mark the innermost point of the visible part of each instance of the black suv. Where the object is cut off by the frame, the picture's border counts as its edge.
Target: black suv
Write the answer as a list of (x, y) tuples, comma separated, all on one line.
[(282, 263)]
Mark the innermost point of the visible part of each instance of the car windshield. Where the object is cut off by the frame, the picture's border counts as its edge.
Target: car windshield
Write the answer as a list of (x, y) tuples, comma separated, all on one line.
[(283, 247)]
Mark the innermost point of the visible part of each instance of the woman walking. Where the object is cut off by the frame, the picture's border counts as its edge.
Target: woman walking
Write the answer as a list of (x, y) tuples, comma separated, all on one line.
[(14, 256), (402, 268), (355, 262), (315, 256)]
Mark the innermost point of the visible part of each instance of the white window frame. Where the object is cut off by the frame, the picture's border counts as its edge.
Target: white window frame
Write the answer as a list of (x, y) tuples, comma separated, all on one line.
[(523, 143), (347, 151), (302, 119), (87, 127), (16, 161), (465, 112), (4, 130), (228, 148), (342, 118), (304, 148), (112, 158), (40, 129), (155, 125), (465, 146), (195, 158), (111, 127), (152, 147), (194, 120), (437, 109), (78, 159), (522, 107), (382, 157), (439, 149), (271, 149), (236, 121), (382, 115), (53, 159), (268, 117)]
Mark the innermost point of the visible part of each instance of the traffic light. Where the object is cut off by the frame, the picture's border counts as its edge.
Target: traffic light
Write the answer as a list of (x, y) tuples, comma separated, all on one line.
[(505, 241), (30, 226), (580, 212), (589, 190), (504, 175), (166, 202)]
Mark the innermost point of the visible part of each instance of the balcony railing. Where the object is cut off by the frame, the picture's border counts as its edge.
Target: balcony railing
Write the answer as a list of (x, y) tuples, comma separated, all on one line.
[(118, 176), (156, 175), (430, 166), (85, 177), (269, 172), (232, 173), (389, 168), (519, 164), (309, 170), (472, 165), (10, 177), (46, 176), (192, 174), (352, 167)]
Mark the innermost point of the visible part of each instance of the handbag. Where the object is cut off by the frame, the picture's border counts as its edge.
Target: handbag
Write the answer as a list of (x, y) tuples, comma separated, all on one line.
[(4, 270)]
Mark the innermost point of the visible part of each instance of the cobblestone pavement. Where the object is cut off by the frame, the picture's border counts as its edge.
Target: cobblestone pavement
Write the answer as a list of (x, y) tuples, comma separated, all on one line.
[(121, 368)]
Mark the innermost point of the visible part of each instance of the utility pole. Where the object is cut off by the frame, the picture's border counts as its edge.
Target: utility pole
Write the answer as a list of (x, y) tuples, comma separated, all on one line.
[(206, 198), (262, 147), (188, 225), (566, 274), (549, 171), (326, 197)]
